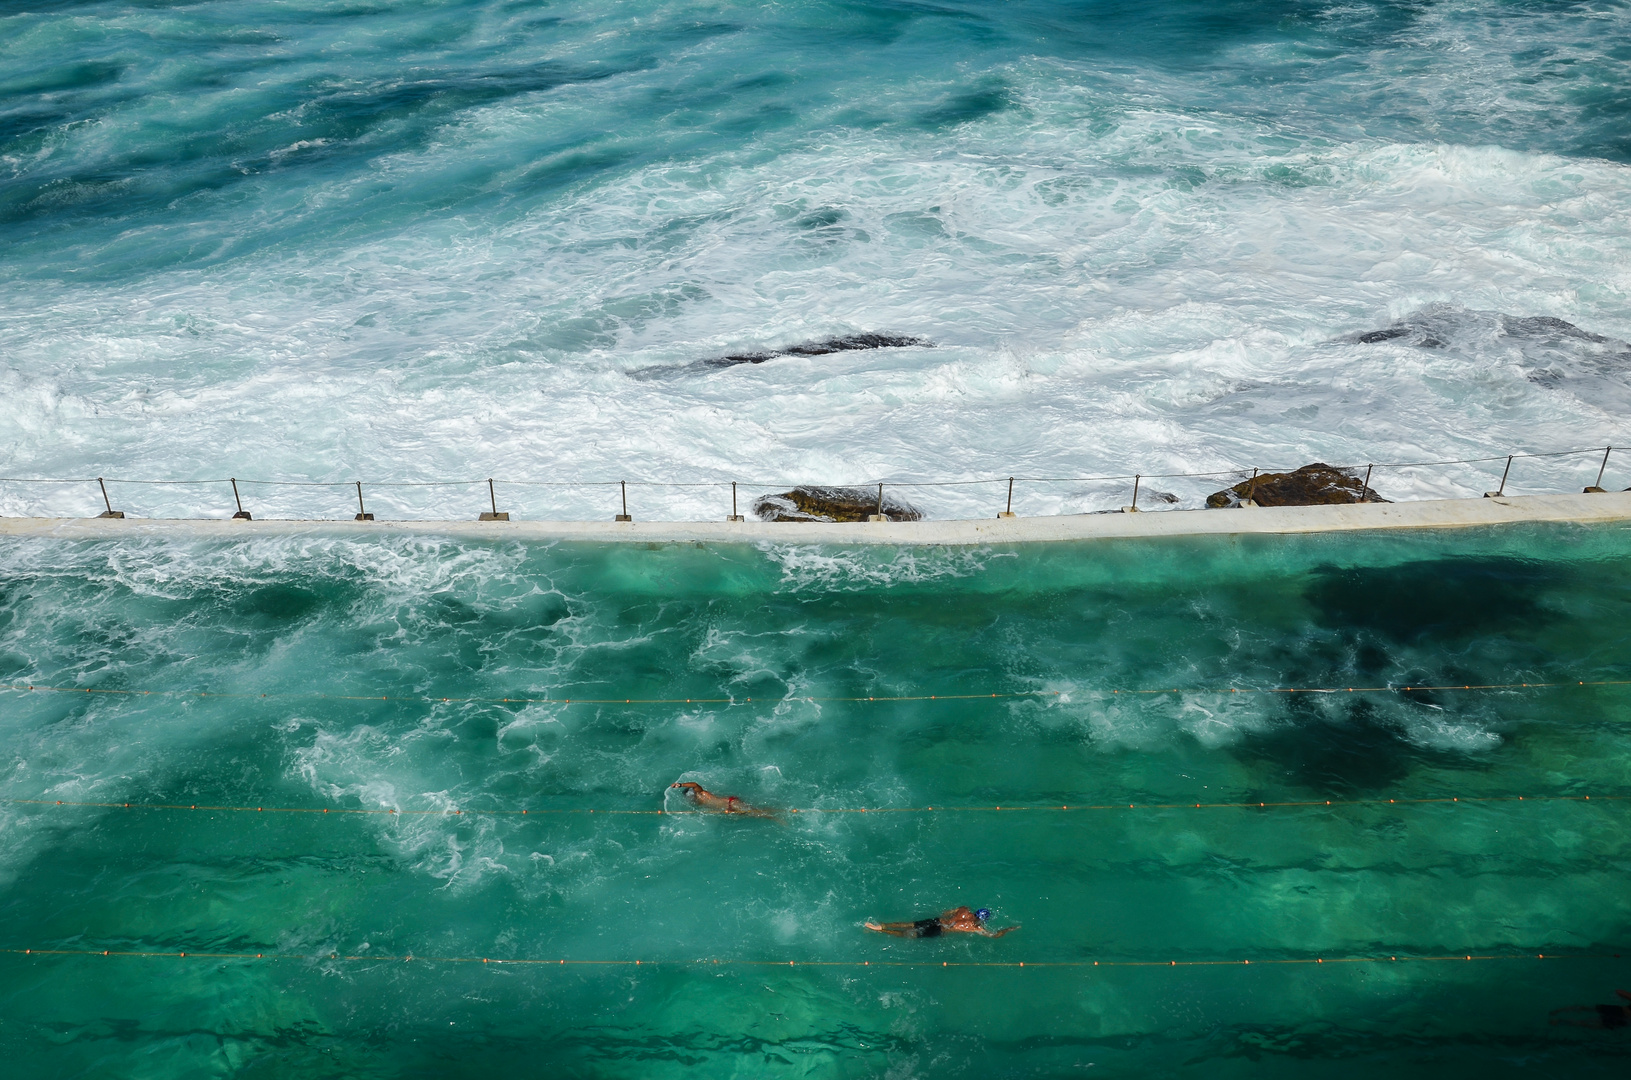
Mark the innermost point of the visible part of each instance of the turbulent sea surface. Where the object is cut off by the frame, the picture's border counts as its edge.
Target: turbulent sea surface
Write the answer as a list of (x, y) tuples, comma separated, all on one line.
[(428, 241), (564, 244)]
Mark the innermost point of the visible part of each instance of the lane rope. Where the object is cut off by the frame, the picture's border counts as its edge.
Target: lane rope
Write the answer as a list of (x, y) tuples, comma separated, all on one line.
[(432, 700), (709, 961), (1070, 808)]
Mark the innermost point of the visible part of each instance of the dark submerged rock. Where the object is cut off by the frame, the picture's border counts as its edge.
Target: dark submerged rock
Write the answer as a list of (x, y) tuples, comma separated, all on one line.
[(1318, 484), (824, 347), (1442, 326), (831, 504), (1552, 353)]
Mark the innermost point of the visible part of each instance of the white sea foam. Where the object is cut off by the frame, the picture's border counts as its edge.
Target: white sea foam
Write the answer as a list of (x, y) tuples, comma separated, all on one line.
[(1114, 287)]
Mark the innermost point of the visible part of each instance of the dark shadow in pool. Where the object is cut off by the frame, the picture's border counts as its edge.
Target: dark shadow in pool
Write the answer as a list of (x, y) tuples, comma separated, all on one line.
[(1436, 597), (1356, 753)]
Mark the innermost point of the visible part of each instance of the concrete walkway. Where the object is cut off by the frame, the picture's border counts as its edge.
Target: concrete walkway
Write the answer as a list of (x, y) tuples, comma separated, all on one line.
[(1427, 514)]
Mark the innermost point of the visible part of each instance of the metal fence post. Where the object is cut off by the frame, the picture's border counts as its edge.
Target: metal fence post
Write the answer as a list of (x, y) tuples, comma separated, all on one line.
[(1498, 492), (492, 499), (362, 515), (110, 512), (1251, 492), (880, 515), (1008, 511), (624, 516), (242, 514), (734, 515), (1133, 509), (1598, 486)]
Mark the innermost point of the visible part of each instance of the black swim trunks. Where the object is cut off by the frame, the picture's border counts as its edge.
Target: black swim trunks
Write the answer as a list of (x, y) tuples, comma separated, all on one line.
[(926, 928), (1613, 1016)]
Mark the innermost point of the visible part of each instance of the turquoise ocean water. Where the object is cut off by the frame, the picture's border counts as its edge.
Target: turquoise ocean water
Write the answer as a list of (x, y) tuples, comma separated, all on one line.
[(331, 240), (1060, 626)]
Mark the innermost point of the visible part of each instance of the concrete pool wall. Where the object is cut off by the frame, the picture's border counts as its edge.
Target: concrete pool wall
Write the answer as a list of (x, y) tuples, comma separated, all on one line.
[(1595, 508)]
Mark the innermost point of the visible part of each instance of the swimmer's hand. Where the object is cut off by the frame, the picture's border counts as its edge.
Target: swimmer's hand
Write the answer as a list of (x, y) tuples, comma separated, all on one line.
[(873, 926), (999, 933)]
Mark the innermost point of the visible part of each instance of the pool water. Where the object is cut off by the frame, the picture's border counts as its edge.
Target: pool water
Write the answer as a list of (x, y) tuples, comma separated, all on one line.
[(820, 679)]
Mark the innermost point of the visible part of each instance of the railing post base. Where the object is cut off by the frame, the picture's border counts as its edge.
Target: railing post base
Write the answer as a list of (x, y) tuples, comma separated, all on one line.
[(736, 517), (1248, 502), (111, 514), (363, 517), (1006, 514), (1595, 490), (495, 515), (242, 515), (623, 517), (877, 517)]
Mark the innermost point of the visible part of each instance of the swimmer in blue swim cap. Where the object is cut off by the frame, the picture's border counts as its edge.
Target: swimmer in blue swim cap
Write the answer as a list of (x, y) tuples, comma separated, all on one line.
[(959, 920)]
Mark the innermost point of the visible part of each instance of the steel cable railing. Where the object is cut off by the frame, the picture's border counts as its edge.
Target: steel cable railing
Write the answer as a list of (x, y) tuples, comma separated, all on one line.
[(1136, 479)]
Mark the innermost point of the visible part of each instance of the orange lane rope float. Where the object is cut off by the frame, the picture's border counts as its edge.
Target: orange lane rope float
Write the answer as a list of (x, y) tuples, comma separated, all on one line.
[(413, 958), (809, 699), (1071, 808)]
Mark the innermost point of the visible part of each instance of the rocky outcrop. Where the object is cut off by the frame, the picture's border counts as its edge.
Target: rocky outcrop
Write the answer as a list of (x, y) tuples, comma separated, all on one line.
[(831, 504), (846, 343), (1318, 484), (822, 347)]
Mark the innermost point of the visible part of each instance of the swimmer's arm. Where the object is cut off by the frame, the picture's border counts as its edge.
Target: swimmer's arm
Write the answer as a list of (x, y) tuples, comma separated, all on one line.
[(999, 933)]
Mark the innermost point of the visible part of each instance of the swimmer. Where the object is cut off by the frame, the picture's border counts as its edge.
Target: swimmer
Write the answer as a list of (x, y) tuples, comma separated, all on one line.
[(1608, 1016), (959, 920), (704, 799)]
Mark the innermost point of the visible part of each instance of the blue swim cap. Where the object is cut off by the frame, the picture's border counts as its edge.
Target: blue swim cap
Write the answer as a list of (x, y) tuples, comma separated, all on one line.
[(983, 914)]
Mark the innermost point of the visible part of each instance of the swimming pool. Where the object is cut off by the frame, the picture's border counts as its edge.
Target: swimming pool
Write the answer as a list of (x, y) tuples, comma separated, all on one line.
[(1129, 683)]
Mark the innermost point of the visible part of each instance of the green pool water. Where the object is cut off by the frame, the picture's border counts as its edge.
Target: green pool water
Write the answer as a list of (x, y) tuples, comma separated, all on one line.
[(335, 901)]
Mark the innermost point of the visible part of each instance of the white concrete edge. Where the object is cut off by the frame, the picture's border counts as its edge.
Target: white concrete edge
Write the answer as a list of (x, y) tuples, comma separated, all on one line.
[(1426, 514)]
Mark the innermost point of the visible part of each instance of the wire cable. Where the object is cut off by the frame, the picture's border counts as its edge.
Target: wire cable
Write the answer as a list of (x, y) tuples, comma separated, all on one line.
[(722, 961), (450, 811)]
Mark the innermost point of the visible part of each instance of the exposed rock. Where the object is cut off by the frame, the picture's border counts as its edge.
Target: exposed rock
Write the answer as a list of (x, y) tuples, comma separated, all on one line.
[(831, 504), (823, 347), (1312, 485), (846, 343)]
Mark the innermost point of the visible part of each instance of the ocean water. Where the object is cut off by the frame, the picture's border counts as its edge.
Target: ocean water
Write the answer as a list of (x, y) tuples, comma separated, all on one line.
[(354, 644), (455, 240)]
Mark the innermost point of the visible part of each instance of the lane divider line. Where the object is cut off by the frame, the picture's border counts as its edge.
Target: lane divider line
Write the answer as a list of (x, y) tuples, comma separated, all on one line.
[(1069, 808), (411, 958)]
